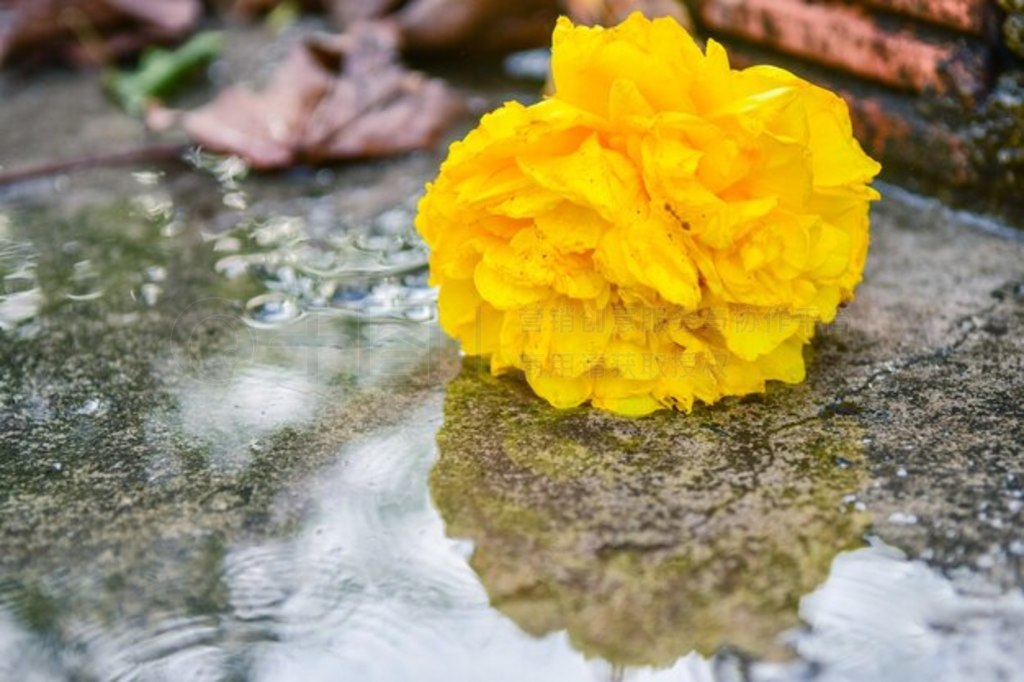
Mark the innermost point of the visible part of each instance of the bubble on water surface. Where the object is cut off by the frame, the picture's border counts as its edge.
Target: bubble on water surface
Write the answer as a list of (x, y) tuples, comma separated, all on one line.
[(271, 309)]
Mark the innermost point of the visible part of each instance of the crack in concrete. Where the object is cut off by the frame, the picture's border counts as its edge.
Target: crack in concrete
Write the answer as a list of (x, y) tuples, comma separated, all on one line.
[(969, 324)]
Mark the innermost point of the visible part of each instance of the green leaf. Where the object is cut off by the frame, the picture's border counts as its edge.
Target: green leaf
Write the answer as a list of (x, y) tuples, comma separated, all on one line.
[(160, 72)]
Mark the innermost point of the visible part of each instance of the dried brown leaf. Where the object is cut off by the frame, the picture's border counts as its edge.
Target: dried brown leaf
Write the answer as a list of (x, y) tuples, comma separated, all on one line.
[(337, 97), (92, 31), (476, 25), (440, 25)]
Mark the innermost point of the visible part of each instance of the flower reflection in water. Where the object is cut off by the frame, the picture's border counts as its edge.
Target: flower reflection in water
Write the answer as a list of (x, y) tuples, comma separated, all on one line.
[(644, 539)]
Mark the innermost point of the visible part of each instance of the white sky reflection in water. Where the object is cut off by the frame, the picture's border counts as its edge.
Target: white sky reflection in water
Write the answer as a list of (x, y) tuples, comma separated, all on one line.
[(371, 589), (413, 609)]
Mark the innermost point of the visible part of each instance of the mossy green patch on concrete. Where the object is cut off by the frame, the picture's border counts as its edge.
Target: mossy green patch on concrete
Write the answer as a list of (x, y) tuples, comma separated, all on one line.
[(643, 538)]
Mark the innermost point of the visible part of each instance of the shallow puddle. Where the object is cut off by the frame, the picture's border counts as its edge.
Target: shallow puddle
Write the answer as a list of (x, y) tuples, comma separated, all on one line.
[(236, 446)]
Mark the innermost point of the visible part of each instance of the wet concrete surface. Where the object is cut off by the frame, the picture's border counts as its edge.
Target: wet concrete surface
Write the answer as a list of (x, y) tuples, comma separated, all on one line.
[(235, 445)]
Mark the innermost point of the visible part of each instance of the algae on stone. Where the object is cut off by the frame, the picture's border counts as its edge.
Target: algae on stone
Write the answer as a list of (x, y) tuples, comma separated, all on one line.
[(649, 538)]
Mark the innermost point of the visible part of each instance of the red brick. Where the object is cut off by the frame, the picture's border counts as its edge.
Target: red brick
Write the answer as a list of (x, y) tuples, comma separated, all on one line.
[(894, 134), (969, 16), (849, 38)]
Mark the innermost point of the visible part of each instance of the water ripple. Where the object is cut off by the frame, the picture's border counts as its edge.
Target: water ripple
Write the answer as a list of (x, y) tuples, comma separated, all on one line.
[(369, 588), (373, 270), (20, 295)]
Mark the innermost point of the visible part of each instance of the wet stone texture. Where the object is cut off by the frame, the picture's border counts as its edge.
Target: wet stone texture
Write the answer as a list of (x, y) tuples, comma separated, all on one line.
[(911, 418), (139, 434), (935, 337), (206, 379), (645, 539)]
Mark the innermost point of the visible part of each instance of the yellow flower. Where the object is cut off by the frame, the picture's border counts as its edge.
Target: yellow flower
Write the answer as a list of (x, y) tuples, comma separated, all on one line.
[(661, 229)]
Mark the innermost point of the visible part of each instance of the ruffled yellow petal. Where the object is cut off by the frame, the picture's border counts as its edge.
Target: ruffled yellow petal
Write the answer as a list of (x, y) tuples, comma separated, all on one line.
[(662, 230), (561, 392), (591, 176)]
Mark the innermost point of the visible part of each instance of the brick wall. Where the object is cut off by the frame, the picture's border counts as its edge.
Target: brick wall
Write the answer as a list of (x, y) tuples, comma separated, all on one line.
[(936, 87)]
